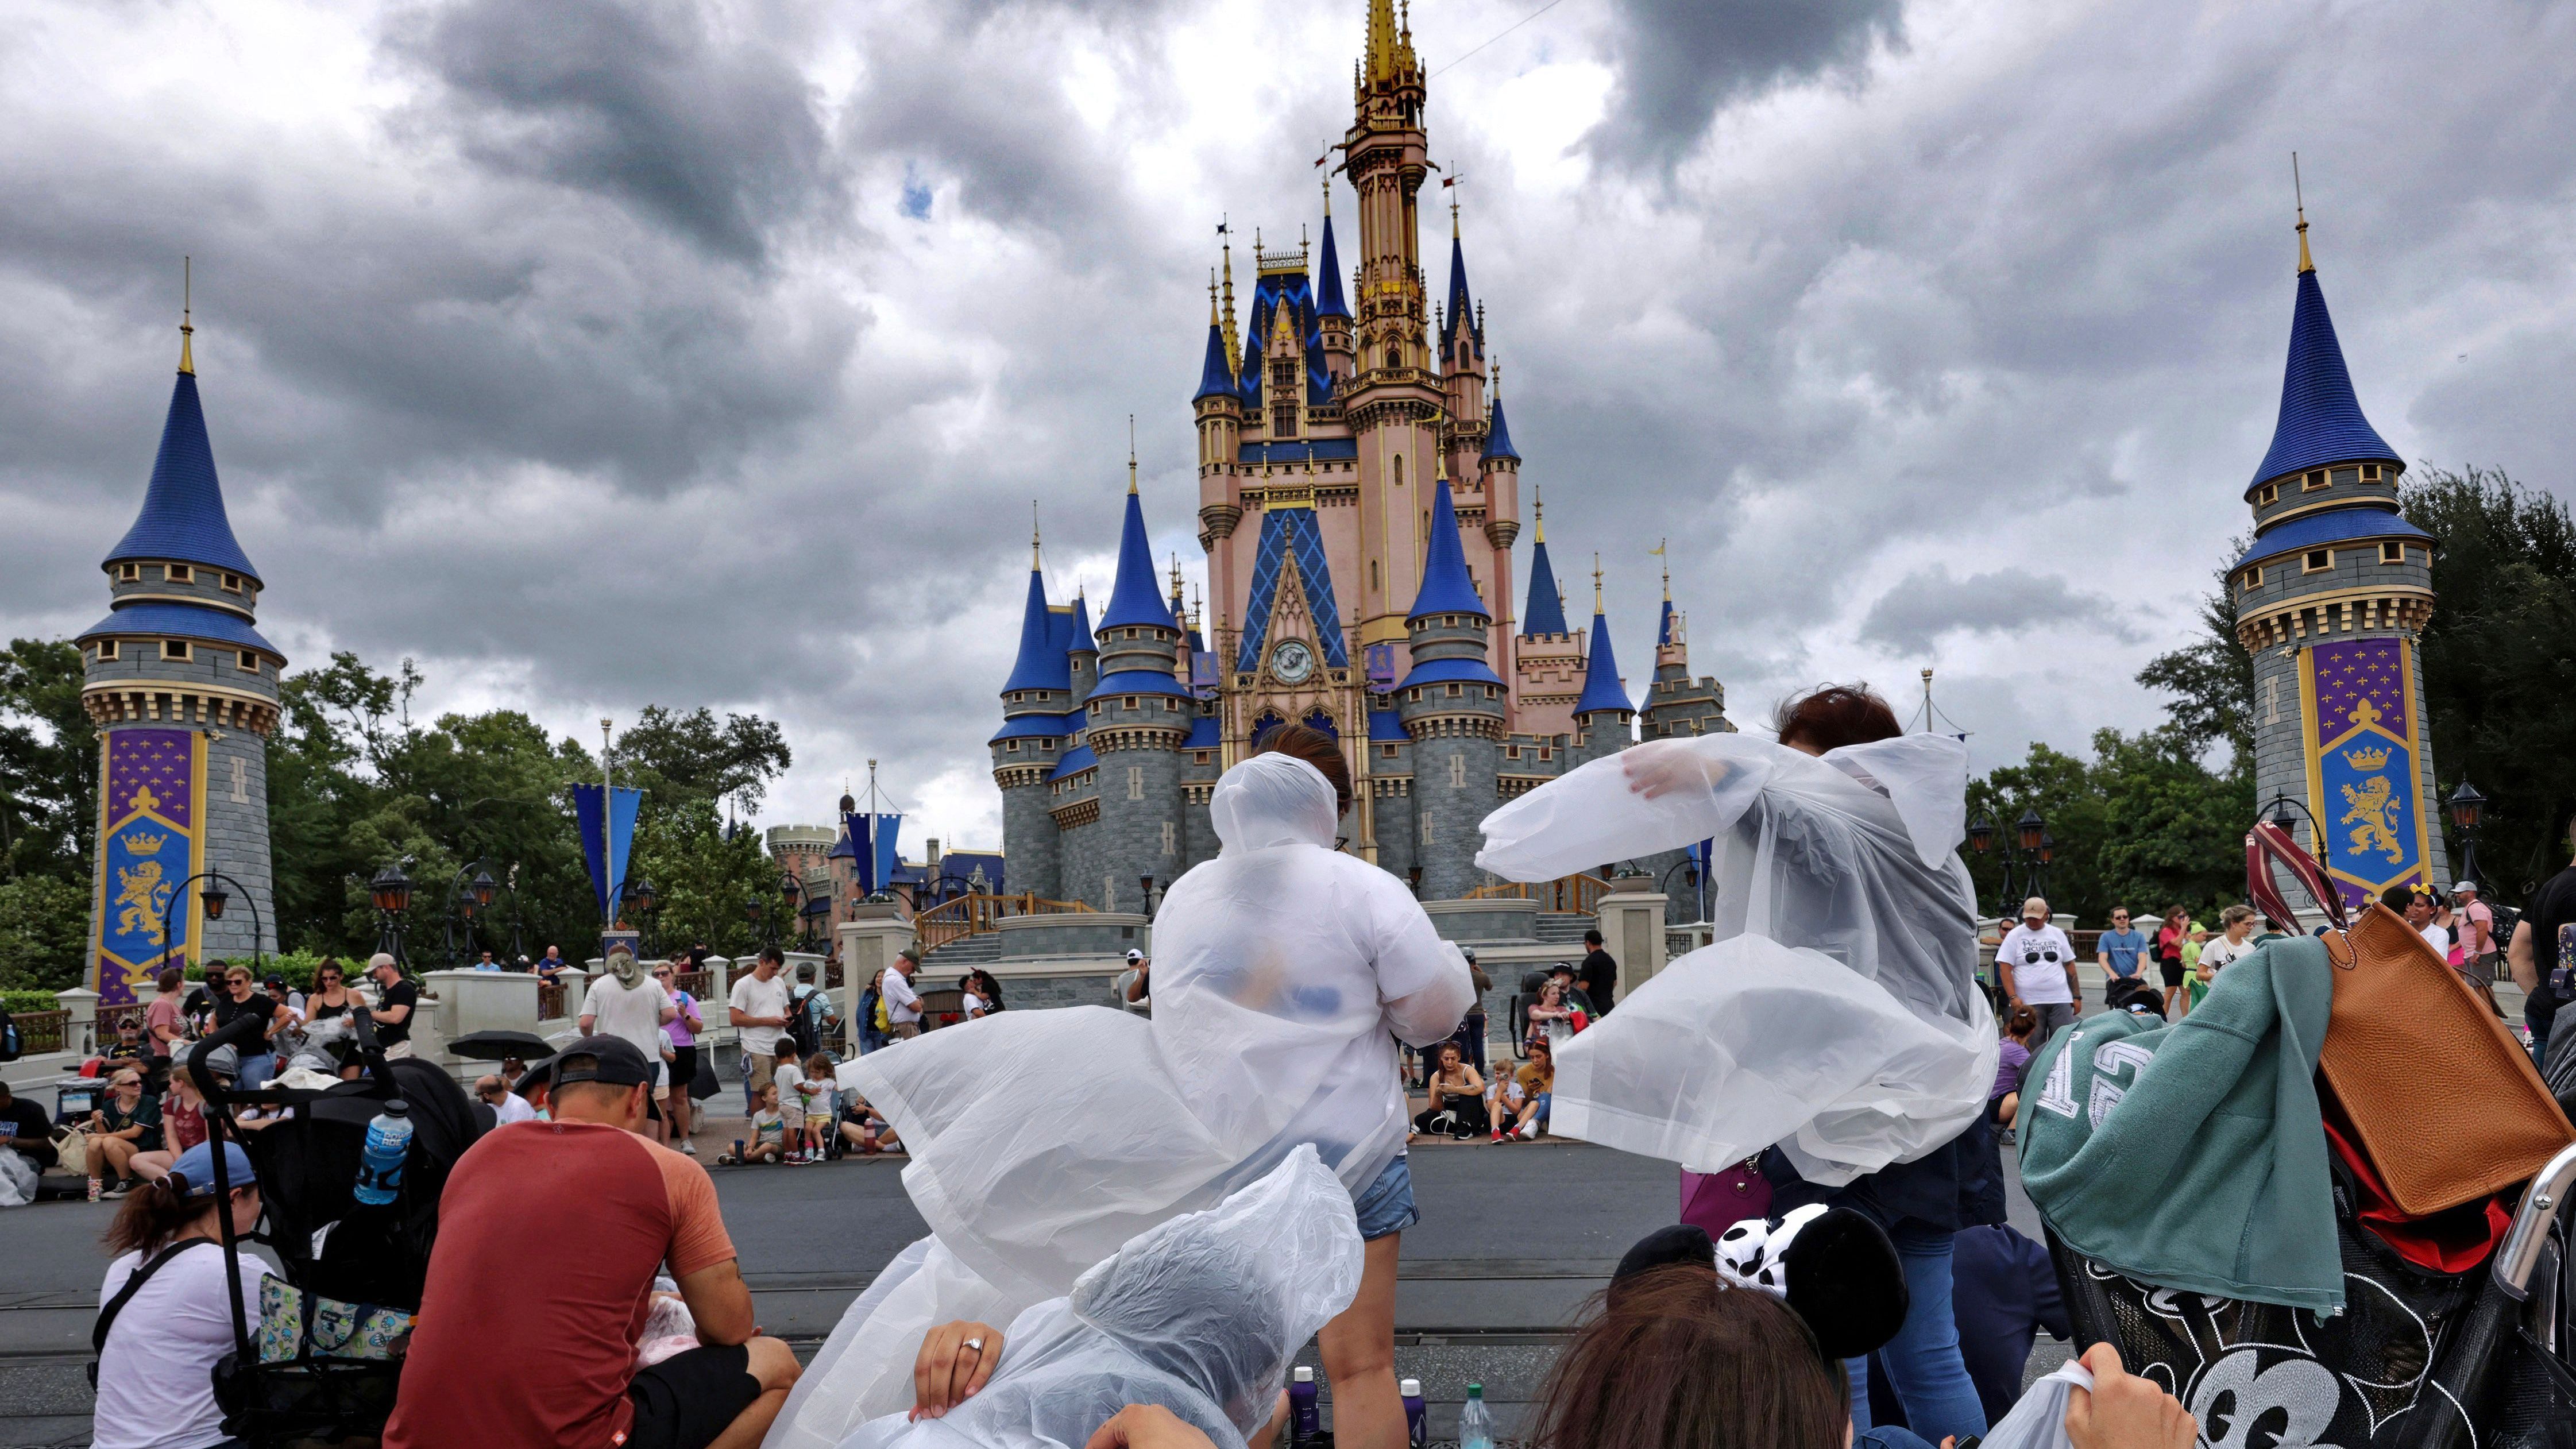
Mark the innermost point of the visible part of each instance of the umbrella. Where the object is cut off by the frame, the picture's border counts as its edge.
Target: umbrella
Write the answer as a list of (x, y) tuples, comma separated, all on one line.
[(491, 1046)]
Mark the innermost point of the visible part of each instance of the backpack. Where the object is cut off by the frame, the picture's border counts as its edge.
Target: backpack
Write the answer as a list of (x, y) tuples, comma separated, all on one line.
[(10, 1043), (883, 1023)]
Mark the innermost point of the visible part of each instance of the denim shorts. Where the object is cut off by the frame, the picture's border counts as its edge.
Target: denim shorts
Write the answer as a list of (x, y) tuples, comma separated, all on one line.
[(1386, 1205)]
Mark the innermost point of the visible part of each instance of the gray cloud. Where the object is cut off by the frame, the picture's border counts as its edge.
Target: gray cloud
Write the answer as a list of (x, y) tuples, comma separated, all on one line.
[(1914, 614), (1681, 61)]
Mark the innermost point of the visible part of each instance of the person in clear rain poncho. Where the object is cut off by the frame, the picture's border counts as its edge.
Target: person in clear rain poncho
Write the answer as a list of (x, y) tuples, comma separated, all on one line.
[(1284, 973), (1834, 1018), (1200, 1315)]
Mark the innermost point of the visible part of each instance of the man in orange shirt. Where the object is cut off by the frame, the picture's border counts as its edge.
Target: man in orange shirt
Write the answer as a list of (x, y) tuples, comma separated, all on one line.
[(529, 1338)]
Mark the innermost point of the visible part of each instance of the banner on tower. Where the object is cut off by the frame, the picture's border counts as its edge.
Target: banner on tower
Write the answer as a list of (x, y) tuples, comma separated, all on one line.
[(152, 805), (2358, 698), (875, 868)]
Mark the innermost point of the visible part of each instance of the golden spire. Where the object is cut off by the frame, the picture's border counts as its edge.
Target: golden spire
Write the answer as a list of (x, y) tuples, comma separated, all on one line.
[(1131, 454), (1328, 185), (1596, 583), (1034, 562), (187, 329), (1381, 41), (1233, 345), (2307, 264), (1538, 507), (1453, 213), (1212, 317), (1660, 545)]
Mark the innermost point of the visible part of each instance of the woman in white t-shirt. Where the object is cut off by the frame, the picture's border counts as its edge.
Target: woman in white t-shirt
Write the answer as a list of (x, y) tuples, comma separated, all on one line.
[(156, 1369), (2237, 924)]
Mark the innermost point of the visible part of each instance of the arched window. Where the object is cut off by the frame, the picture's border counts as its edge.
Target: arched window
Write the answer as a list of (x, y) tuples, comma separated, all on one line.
[(1319, 718), (1268, 720), (1399, 470)]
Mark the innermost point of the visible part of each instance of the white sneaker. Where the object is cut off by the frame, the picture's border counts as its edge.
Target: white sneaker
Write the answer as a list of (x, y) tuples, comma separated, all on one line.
[(688, 1147)]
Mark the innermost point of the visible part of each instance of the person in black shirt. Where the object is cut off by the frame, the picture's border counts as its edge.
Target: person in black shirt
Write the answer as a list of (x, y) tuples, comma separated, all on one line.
[(25, 1130), (237, 1000), (396, 999), (1600, 973), (2541, 960)]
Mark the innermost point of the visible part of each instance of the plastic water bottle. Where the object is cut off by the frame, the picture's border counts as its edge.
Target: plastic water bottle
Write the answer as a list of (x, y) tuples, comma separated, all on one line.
[(1305, 1424), (1417, 1421), (1475, 1421), (380, 1165)]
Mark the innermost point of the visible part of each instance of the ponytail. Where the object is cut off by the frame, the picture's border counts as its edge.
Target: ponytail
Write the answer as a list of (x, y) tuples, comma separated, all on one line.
[(151, 1215)]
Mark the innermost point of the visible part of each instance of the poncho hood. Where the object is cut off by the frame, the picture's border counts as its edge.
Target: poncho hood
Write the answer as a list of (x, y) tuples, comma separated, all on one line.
[(1273, 800)]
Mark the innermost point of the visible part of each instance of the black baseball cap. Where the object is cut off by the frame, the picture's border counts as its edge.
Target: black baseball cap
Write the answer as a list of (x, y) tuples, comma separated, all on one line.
[(611, 1061)]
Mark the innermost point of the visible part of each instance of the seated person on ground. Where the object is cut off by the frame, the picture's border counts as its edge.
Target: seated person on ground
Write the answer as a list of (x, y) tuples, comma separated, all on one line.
[(768, 1140), (522, 1342), (1457, 1096), (1568, 981), (864, 1128), (126, 1122), (183, 1113), (507, 1106), (25, 1130), (1533, 1086)]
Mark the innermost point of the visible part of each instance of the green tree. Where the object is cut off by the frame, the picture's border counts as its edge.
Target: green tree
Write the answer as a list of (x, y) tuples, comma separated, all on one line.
[(48, 763), (703, 875), (2211, 679), (44, 933)]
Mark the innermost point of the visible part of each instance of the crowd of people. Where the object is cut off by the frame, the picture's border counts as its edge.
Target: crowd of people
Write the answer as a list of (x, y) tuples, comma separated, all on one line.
[(1300, 1000)]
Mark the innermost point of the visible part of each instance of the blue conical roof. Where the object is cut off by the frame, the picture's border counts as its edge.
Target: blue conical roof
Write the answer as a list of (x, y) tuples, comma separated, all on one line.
[(1498, 436), (1664, 626), (1447, 587), (1601, 687), (1328, 278), (1216, 376), (1081, 641), (1461, 306), (1546, 612), (1136, 598), (2321, 420), (183, 507), (1042, 663)]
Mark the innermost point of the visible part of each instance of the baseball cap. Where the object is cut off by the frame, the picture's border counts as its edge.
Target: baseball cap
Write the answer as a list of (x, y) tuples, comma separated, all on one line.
[(614, 1062), (1135, 955), (2467, 885), (195, 1170)]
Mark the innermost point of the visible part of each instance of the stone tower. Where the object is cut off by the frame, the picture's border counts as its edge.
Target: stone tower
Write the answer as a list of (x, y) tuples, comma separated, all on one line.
[(1451, 704), (1603, 714), (1037, 702), (1137, 720), (1677, 704), (2330, 600), (184, 691)]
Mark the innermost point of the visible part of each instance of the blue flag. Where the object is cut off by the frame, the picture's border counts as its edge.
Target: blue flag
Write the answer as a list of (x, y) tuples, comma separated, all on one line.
[(607, 859), (873, 874)]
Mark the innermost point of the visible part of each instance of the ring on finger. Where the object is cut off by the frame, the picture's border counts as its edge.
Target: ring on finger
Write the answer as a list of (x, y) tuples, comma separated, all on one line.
[(976, 1344)]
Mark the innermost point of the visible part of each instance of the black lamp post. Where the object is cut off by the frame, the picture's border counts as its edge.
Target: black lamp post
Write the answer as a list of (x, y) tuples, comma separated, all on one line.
[(212, 897), (752, 912), (2286, 813), (467, 896), (792, 891), (390, 894), (1413, 878), (648, 905), (2025, 852), (2466, 804), (1145, 889)]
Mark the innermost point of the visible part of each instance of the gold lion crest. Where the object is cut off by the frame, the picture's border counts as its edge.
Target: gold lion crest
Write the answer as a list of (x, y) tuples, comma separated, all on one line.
[(141, 896), (2373, 817)]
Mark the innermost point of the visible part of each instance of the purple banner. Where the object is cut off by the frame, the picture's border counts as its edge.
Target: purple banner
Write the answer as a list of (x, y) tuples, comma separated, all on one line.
[(149, 843)]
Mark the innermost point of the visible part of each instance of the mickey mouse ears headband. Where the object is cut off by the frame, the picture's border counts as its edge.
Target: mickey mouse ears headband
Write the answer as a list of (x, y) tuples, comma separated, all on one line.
[(1835, 1269)]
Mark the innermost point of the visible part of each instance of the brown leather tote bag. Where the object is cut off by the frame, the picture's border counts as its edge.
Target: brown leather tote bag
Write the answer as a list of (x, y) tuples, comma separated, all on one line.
[(2443, 1100)]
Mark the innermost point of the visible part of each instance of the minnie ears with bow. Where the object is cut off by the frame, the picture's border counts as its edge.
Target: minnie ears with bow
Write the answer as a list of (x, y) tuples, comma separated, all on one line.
[(1835, 1268)]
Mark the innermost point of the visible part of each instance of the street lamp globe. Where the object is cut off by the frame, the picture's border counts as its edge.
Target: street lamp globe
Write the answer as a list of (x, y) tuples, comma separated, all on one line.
[(645, 900), (2047, 848), (213, 897), (1981, 832), (484, 888), (2465, 803), (2283, 818), (390, 891), (2030, 827)]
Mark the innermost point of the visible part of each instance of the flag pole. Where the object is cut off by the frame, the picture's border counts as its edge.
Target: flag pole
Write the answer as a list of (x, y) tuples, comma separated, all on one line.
[(607, 830)]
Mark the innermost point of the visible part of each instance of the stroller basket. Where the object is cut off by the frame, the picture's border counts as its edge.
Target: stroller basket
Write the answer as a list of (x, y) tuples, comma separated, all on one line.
[(320, 1399)]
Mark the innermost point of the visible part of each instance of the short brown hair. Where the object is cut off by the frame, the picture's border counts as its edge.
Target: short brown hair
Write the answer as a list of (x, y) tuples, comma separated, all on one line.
[(1831, 716), (1302, 742), (1677, 1358)]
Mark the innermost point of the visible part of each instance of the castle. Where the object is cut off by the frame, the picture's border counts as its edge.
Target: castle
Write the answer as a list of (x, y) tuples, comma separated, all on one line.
[(184, 692), (2331, 599), (1359, 500)]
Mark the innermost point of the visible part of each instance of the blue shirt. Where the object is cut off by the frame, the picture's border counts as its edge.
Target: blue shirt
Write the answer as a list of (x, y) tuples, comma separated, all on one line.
[(2124, 948)]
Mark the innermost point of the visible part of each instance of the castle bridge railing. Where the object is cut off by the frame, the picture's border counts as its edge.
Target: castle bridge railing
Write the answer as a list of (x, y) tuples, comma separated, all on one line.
[(977, 914), (1578, 893)]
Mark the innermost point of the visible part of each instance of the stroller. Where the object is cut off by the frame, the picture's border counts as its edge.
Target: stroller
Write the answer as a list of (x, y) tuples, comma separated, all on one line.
[(283, 1384), (2417, 1359)]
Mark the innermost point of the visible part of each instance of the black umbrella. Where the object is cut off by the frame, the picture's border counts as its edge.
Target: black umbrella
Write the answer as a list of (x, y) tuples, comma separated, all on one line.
[(491, 1046)]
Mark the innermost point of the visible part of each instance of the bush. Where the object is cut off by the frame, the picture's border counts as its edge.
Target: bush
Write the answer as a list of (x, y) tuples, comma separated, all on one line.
[(18, 1001)]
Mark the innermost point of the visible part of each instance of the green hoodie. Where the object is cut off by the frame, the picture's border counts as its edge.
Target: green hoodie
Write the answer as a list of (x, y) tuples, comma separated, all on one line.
[(2193, 1156)]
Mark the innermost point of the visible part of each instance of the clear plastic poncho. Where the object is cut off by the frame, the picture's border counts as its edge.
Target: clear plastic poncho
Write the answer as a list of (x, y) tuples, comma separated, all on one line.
[(1836, 1013), (1200, 1315), (1042, 1140)]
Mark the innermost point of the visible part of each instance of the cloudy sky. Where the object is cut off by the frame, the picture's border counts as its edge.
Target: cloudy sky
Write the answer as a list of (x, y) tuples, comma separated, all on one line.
[(604, 352)]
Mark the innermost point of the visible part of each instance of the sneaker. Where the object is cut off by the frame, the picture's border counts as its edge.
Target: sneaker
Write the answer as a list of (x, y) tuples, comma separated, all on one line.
[(119, 1188), (1498, 1134), (2011, 1139), (688, 1147)]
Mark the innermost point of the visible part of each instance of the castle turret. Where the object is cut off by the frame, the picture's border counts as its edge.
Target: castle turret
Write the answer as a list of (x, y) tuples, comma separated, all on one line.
[(184, 692), (1677, 704), (1332, 313), (1603, 711), (1036, 701), (1082, 650), (1547, 656), (1139, 718), (1451, 704), (2330, 600)]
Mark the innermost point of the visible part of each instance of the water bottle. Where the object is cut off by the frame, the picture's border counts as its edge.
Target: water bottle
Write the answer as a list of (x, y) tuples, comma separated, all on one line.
[(1417, 1423), (1475, 1421), (1305, 1424), (380, 1165)]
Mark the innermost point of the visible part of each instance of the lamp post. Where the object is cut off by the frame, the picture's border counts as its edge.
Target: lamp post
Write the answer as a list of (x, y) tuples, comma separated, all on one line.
[(1145, 894), (2284, 812), (466, 897), (390, 894), (2027, 850), (792, 891), (648, 906), (213, 898), (752, 912), (2466, 804)]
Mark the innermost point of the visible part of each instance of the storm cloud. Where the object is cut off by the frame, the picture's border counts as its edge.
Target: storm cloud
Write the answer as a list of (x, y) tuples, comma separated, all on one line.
[(619, 351)]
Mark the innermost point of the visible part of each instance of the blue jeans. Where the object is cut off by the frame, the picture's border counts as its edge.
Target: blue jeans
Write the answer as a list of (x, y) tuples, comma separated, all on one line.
[(1923, 1359), (1386, 1206), (255, 1071), (1889, 1439)]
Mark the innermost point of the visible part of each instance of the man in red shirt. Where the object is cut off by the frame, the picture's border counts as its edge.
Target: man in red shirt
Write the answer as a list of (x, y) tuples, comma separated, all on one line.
[(528, 1338)]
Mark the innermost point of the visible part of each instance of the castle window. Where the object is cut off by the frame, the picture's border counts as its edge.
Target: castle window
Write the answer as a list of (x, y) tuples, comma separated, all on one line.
[(2318, 559), (2392, 553), (1127, 701), (1011, 747), (1542, 752), (2254, 577), (1171, 706), (129, 573), (1511, 752), (232, 583), (2268, 494), (2370, 472), (1399, 458), (1453, 691), (1018, 696), (180, 574), (1373, 583), (248, 661), (174, 648), (106, 651), (2315, 479), (1386, 752), (1048, 746)]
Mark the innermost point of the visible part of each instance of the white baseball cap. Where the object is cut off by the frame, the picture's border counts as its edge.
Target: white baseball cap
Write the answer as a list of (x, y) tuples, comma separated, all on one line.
[(1135, 955)]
